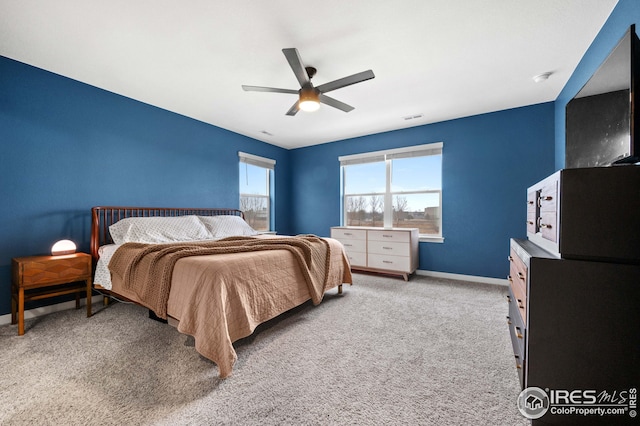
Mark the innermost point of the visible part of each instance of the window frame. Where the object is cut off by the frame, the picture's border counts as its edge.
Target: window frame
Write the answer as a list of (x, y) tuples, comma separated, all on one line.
[(387, 156), (269, 165)]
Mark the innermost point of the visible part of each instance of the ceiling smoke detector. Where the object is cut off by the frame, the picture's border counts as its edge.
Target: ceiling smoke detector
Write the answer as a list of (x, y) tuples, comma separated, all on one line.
[(542, 77)]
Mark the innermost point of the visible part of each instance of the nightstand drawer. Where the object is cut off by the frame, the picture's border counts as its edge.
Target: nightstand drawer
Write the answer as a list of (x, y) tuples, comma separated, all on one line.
[(41, 270), (40, 277)]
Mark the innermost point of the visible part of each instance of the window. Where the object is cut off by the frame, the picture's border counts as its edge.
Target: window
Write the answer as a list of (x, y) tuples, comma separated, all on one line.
[(256, 175), (399, 188)]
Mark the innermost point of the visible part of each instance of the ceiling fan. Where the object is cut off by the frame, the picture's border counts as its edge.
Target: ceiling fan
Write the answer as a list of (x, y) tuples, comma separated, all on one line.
[(310, 96)]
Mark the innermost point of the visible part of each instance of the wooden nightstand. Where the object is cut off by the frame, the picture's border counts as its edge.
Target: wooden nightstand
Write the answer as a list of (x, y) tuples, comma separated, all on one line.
[(39, 277)]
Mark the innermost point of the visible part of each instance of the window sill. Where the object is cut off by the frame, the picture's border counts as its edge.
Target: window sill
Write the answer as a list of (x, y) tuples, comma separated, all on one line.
[(425, 239)]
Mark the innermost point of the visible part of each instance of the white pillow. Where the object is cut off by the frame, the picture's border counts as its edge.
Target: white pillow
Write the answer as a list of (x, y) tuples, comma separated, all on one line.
[(158, 230), (227, 226)]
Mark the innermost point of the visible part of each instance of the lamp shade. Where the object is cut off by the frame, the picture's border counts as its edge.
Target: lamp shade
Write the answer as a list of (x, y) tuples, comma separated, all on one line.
[(63, 247), (309, 100)]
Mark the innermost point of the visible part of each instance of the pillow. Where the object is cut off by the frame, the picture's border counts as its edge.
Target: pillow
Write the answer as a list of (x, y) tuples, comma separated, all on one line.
[(158, 230), (227, 226)]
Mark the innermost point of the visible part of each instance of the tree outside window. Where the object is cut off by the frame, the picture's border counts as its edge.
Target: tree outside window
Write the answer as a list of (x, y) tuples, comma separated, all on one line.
[(399, 188), (255, 197)]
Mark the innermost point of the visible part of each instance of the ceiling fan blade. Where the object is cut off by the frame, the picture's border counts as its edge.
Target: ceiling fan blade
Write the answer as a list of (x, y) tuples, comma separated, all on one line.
[(293, 110), (268, 89), (295, 62), (346, 81), (334, 103)]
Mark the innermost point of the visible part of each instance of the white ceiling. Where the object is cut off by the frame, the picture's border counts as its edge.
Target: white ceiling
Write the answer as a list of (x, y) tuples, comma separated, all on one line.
[(443, 59)]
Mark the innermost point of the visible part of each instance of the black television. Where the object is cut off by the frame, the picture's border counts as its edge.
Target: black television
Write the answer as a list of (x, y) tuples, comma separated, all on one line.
[(601, 119)]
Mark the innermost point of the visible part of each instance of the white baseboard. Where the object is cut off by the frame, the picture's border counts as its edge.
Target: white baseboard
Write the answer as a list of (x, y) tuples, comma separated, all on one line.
[(44, 310), (472, 278)]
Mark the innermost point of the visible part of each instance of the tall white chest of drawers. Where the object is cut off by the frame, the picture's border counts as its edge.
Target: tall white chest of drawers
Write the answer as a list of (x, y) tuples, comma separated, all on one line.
[(386, 250)]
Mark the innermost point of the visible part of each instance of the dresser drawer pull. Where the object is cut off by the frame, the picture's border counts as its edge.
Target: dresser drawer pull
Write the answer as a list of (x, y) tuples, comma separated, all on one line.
[(541, 199), (509, 278), (544, 225), (387, 261), (530, 202), (348, 233), (518, 332), (529, 222), (520, 305), (518, 365), (510, 258), (521, 276), (508, 320), (347, 245), (509, 299), (387, 236), (387, 248)]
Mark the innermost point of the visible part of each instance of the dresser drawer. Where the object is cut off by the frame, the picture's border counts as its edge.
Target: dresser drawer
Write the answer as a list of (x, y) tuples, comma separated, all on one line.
[(544, 230), (517, 337), (357, 258), (398, 236), (531, 222), (518, 279), (519, 303), (517, 264), (548, 228), (548, 200), (343, 234), (517, 327), (392, 250), (394, 263), (517, 333), (352, 246), (520, 365), (388, 247), (532, 200)]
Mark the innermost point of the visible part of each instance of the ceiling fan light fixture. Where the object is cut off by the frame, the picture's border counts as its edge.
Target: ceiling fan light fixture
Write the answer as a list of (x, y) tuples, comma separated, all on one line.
[(309, 101), (310, 97)]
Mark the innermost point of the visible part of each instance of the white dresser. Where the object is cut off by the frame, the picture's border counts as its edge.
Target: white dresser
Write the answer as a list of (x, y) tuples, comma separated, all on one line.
[(387, 250)]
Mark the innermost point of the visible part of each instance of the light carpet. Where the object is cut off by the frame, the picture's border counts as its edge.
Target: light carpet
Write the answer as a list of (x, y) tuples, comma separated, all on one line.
[(386, 352)]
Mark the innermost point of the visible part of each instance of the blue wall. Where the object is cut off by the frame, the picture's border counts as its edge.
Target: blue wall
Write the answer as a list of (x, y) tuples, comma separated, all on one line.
[(625, 13), (488, 162), (67, 146)]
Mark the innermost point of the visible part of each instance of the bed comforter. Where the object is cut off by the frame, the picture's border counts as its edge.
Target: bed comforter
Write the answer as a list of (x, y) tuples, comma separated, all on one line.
[(221, 291)]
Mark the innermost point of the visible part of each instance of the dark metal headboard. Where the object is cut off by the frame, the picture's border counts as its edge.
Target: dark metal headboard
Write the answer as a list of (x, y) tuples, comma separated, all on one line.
[(103, 217)]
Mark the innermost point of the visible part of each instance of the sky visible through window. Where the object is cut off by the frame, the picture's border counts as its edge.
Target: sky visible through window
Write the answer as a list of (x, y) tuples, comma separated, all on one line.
[(254, 196), (408, 174), (253, 179)]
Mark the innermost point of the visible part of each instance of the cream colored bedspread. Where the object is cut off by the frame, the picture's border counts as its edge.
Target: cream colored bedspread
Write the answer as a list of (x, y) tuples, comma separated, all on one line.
[(221, 298)]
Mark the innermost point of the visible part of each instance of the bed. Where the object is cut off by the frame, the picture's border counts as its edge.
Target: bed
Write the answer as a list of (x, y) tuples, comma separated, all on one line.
[(208, 273)]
